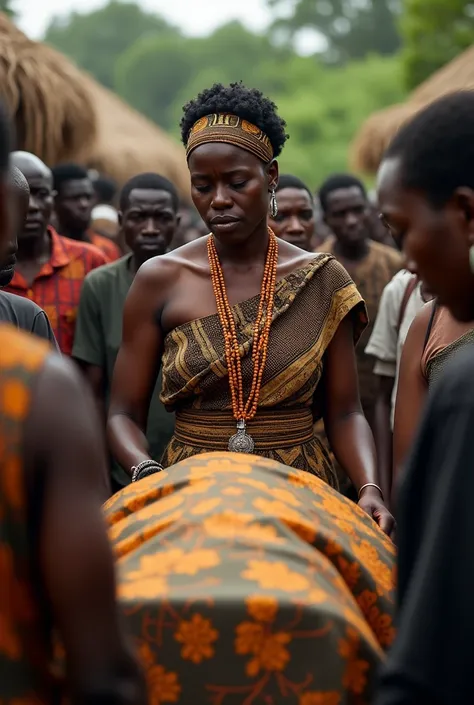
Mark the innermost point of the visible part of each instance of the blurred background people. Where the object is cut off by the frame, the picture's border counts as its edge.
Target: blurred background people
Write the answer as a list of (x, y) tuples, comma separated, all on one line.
[(73, 203), (371, 265), (401, 300), (294, 221), (50, 269), (149, 219), (18, 310)]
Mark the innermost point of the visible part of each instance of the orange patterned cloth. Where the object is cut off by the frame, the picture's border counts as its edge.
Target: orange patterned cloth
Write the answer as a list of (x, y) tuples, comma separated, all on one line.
[(105, 245), (244, 581), (25, 644), (57, 286)]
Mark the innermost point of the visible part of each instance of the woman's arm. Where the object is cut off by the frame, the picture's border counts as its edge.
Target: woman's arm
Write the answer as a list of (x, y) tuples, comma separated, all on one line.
[(411, 391), (136, 368), (347, 428)]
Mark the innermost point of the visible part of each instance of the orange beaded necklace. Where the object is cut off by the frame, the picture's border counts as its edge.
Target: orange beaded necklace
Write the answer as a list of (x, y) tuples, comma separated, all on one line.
[(241, 442)]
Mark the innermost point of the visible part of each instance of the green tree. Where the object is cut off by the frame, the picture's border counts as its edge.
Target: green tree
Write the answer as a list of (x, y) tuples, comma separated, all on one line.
[(6, 6), (434, 32), (158, 75), (97, 39), (352, 29)]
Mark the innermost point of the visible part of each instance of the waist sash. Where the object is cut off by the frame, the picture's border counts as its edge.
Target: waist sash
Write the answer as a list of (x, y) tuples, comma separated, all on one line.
[(269, 429)]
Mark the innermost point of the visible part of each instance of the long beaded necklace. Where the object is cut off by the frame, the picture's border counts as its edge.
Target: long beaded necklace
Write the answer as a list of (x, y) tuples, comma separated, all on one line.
[(242, 442)]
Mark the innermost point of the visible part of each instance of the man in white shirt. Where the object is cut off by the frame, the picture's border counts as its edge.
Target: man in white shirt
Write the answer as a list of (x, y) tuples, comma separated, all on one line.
[(401, 300)]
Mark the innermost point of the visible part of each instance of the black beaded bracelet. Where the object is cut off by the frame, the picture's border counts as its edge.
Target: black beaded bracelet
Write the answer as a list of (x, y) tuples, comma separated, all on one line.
[(150, 470)]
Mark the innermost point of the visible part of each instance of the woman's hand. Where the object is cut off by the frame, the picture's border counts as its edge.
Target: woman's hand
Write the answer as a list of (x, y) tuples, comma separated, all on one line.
[(372, 503)]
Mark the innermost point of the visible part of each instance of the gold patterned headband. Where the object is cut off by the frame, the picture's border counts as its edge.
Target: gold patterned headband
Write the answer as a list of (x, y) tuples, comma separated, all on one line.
[(230, 129)]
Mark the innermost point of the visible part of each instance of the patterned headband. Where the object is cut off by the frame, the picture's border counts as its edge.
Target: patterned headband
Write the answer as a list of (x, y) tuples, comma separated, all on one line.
[(232, 130)]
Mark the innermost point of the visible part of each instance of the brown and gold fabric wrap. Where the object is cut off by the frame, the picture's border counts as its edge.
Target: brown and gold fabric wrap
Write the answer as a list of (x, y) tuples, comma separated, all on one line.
[(310, 303), (230, 129)]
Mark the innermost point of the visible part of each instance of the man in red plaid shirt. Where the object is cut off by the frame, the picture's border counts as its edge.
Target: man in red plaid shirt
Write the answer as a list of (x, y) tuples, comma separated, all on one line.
[(50, 269)]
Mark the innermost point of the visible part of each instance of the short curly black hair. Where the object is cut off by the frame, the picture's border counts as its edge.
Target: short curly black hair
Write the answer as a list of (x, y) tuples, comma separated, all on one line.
[(247, 103), (436, 148)]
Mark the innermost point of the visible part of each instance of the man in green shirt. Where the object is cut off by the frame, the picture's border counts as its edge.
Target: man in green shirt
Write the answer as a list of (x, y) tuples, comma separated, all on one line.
[(148, 218)]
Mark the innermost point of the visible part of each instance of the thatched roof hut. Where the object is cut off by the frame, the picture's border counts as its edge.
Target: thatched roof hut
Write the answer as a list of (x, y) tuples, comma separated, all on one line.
[(62, 114), (379, 129), (127, 143), (46, 97)]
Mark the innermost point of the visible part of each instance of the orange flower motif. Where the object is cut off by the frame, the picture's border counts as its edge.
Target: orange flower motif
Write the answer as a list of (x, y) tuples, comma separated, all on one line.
[(262, 608), (368, 556), (317, 596), (146, 655), (197, 637), (355, 678), (249, 639), (233, 491), (276, 508), (255, 484), (275, 575), (152, 509), (207, 505), (199, 486), (194, 561), (232, 525), (320, 698), (349, 571), (303, 528), (163, 686), (285, 496), (273, 655), (301, 478), (218, 466)]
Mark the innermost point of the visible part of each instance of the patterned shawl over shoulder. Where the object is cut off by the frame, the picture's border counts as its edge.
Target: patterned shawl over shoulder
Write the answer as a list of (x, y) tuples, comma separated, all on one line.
[(310, 303)]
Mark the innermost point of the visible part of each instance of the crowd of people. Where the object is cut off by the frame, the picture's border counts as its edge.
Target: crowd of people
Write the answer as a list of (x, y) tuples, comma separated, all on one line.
[(236, 387)]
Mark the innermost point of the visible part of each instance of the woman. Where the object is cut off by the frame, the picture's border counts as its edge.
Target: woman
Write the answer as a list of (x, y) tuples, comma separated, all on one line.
[(426, 194), (244, 581), (433, 339), (243, 372)]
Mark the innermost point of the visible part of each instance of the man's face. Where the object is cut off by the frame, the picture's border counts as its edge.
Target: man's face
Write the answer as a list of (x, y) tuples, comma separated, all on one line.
[(347, 214), (149, 223), (74, 204)]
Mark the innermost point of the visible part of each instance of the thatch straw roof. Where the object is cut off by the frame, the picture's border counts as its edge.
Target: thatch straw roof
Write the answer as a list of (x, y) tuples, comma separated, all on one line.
[(127, 143), (62, 114), (45, 95), (380, 128)]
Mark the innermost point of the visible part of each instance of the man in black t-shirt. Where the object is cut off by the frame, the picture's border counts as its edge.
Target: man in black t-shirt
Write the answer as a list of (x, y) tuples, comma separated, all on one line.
[(19, 311)]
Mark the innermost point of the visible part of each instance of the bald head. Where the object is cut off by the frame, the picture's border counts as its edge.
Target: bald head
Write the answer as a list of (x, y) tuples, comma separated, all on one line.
[(29, 163), (40, 202)]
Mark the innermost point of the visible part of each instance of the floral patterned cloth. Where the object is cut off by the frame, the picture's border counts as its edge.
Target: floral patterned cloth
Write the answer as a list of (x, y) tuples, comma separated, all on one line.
[(25, 635), (245, 582)]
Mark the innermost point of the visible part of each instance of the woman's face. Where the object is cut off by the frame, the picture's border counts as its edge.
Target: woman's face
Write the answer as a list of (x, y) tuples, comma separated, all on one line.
[(231, 190), (295, 218), (435, 241)]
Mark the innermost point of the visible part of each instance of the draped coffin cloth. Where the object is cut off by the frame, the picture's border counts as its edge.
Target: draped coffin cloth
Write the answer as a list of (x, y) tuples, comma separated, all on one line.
[(245, 581), (310, 303)]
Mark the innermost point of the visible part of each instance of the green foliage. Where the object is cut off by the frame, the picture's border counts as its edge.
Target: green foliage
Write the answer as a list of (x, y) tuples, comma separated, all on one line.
[(158, 70), (351, 29), (434, 32), (6, 6), (96, 40)]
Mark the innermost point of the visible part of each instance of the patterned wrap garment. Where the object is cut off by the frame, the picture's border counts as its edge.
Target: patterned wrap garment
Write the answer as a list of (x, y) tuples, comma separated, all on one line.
[(25, 639), (310, 303), (244, 581)]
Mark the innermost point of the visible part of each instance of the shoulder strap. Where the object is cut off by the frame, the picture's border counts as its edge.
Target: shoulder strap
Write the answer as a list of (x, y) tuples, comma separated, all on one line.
[(409, 289), (430, 324)]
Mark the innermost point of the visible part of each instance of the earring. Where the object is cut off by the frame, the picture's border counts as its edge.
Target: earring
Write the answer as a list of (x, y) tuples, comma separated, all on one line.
[(274, 205), (471, 258)]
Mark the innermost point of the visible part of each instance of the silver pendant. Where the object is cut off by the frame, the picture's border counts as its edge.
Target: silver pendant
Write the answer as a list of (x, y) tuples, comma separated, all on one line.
[(241, 442)]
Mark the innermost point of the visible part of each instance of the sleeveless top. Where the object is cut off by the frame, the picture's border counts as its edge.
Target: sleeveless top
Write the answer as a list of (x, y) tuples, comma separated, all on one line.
[(25, 640), (444, 337)]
